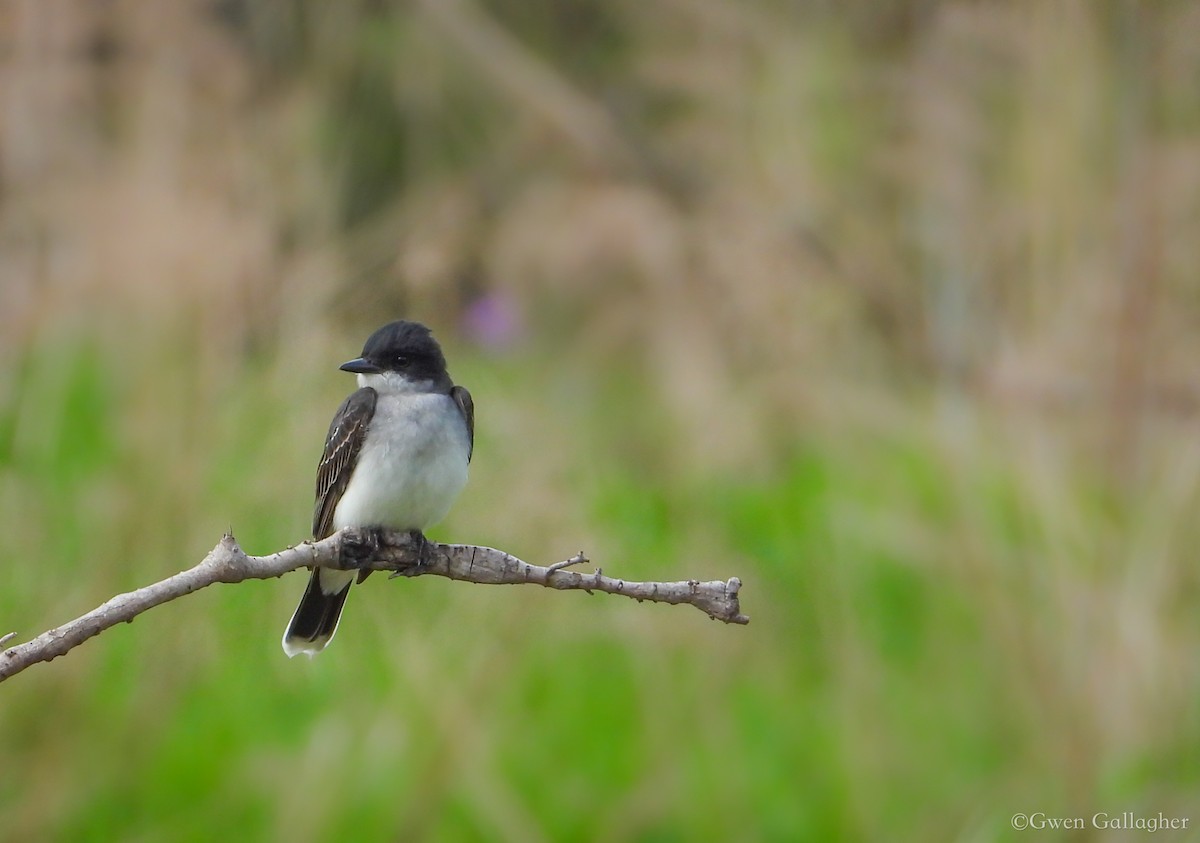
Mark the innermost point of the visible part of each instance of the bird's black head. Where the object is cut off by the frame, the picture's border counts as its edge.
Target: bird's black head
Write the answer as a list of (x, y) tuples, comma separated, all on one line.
[(407, 348)]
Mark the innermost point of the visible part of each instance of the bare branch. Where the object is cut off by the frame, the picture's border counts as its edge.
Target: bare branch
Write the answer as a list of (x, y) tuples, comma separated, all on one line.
[(403, 554)]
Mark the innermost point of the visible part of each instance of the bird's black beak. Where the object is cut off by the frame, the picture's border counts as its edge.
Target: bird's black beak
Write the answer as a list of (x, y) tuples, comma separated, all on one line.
[(360, 366)]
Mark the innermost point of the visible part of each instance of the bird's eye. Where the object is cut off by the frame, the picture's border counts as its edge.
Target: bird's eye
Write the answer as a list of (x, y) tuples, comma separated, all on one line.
[(402, 361)]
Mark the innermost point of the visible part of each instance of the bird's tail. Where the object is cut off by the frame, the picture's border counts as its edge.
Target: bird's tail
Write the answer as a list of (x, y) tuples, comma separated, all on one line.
[(316, 618)]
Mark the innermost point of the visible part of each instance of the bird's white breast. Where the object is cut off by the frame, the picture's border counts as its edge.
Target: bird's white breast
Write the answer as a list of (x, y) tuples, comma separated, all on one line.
[(412, 466)]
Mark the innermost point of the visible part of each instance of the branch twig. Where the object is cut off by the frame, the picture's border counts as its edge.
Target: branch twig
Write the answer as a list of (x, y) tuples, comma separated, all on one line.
[(400, 553)]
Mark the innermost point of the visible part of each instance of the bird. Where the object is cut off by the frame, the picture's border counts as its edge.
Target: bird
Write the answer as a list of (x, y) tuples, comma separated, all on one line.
[(395, 458)]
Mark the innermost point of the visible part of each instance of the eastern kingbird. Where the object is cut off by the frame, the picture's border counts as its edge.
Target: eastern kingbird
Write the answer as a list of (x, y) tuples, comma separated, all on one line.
[(395, 457)]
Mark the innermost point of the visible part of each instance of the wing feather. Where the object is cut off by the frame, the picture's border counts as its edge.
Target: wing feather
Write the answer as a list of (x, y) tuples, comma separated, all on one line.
[(466, 406), (347, 432)]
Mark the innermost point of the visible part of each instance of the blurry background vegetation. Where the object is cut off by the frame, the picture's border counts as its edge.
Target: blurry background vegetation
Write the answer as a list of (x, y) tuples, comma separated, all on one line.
[(890, 309)]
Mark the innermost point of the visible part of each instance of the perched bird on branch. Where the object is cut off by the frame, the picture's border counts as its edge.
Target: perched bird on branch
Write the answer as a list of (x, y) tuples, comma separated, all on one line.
[(395, 458)]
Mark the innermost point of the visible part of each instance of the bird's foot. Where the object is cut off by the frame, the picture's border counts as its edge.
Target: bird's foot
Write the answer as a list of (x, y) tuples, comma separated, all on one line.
[(359, 546), (421, 545)]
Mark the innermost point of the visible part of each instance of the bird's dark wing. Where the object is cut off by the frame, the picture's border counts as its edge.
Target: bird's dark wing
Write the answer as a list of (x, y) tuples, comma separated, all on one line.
[(347, 432), (467, 407)]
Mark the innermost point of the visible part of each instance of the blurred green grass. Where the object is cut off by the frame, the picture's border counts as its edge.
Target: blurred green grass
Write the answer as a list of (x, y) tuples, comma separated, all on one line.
[(905, 674)]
